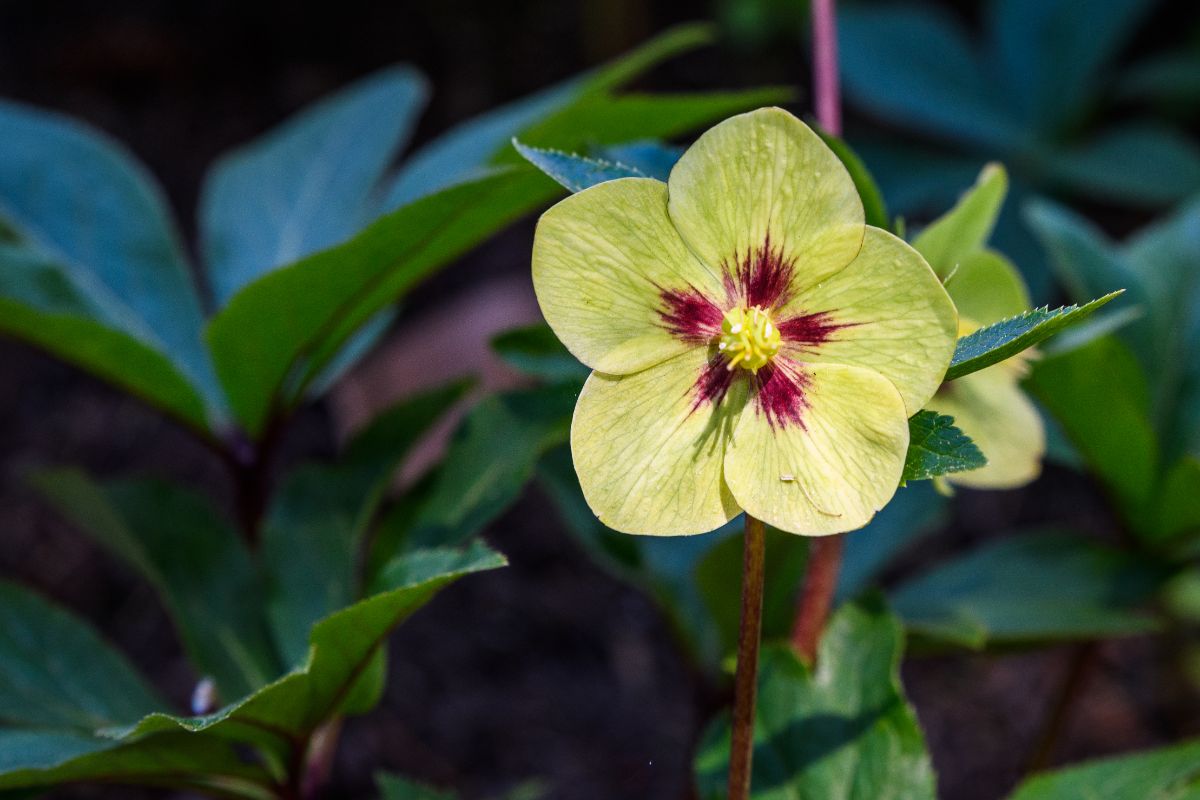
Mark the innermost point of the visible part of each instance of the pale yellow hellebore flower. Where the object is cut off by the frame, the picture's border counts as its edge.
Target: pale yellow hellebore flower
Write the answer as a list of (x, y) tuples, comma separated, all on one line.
[(756, 346), (989, 406)]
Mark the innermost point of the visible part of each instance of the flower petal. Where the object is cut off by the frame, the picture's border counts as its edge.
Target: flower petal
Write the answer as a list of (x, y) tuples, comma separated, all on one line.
[(886, 311), (762, 190), (648, 447), (615, 281), (832, 469), (990, 407)]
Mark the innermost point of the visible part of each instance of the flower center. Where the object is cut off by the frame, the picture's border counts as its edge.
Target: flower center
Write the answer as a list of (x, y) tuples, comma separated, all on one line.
[(748, 338)]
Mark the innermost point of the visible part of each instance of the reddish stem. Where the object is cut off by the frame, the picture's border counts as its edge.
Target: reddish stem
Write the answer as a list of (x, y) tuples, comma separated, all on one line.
[(826, 88), (816, 598), (745, 690)]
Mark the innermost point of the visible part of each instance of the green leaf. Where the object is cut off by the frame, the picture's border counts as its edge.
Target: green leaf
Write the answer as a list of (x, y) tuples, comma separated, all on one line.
[(56, 672), (319, 302), (844, 730), (490, 460), (575, 172), (602, 120), (466, 151), (1171, 773), (1005, 339), (1168, 166), (41, 304), (198, 752), (1178, 505), (315, 526), (197, 563), (868, 191), (393, 787), (936, 447), (341, 647), (40, 759), (1100, 397), (966, 228), (535, 350), (81, 202), (915, 67), (1033, 587), (308, 183)]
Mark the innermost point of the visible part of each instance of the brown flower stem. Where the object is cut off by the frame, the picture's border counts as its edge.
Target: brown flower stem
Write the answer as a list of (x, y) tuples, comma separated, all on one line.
[(816, 598), (745, 688)]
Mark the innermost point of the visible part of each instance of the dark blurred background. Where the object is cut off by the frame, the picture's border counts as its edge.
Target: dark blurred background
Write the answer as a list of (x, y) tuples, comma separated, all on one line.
[(550, 669)]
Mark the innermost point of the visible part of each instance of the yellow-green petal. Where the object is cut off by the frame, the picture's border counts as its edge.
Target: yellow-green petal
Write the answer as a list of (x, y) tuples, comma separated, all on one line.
[(832, 471), (649, 458), (990, 407), (987, 288), (767, 173), (601, 260), (886, 311)]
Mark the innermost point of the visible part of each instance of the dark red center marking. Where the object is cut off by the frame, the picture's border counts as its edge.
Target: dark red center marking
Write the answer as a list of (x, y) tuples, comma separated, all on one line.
[(689, 315), (808, 331), (762, 278)]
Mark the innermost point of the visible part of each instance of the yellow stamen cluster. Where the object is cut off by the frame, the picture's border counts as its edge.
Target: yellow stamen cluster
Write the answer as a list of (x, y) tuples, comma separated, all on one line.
[(748, 338)]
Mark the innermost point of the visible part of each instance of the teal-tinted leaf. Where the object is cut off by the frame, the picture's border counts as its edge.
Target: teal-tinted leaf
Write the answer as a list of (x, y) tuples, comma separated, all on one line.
[(122, 360), (964, 229), (1033, 587), (936, 447), (844, 730), (874, 209), (312, 307), (575, 172), (915, 66), (652, 158), (1172, 773), (535, 350), (466, 151), (195, 561), (308, 183), (56, 672), (1136, 164), (1005, 339), (915, 512), (1168, 78), (1100, 397), (490, 460), (1050, 52), (314, 528), (32, 759), (82, 202)]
